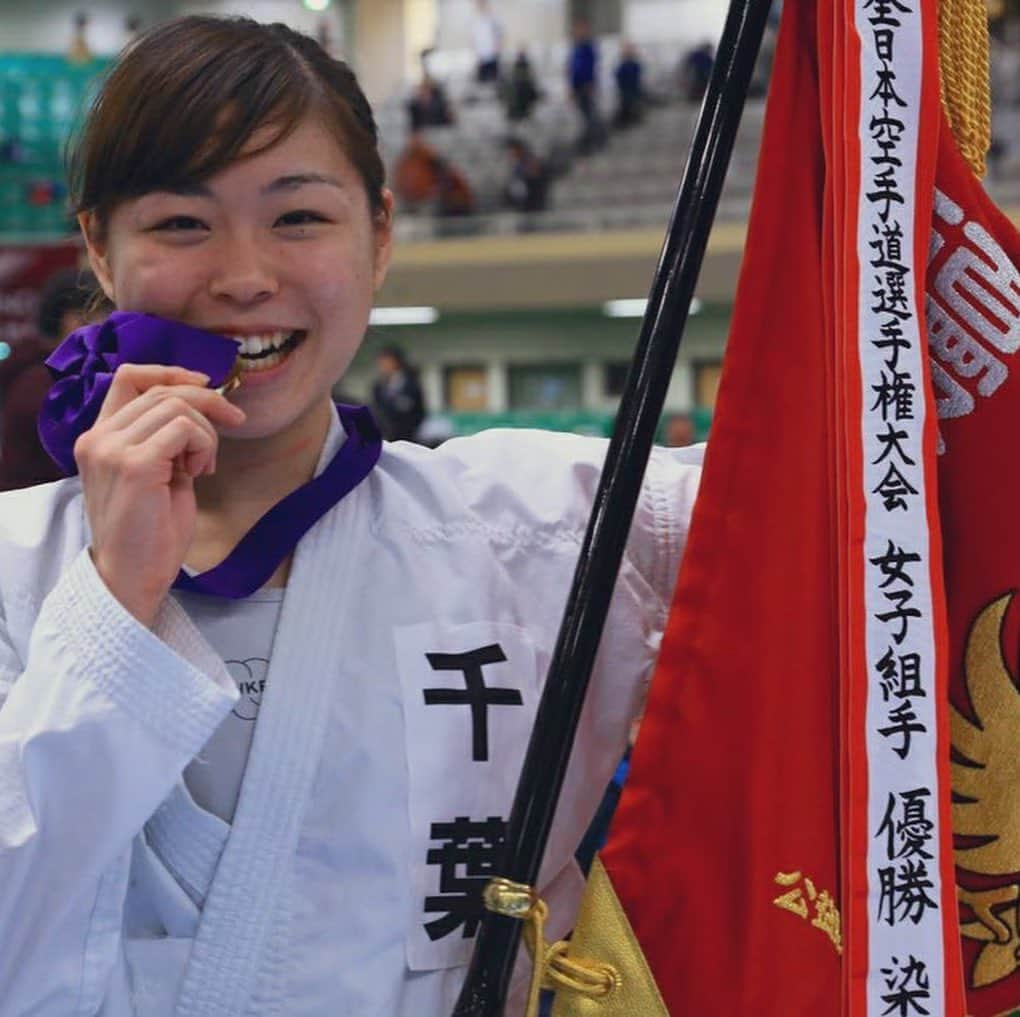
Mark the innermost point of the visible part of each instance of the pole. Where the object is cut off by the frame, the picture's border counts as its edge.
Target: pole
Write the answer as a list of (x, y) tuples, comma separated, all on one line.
[(545, 765)]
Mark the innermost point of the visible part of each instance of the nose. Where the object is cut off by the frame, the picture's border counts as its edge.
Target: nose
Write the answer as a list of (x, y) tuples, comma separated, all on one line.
[(244, 275)]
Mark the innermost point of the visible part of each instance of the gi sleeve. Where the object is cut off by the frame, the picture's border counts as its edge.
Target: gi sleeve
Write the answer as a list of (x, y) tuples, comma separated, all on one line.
[(662, 518), (623, 668), (95, 730)]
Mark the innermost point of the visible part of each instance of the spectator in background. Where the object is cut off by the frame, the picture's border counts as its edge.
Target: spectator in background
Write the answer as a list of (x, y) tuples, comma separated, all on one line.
[(25, 379), (132, 28), (488, 38), (397, 399), (428, 105), (583, 75), (422, 177), (695, 71), (80, 52), (527, 188), (521, 92), (629, 87), (679, 431)]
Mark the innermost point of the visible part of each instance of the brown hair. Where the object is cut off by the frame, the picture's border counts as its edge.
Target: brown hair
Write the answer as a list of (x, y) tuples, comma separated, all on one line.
[(184, 99)]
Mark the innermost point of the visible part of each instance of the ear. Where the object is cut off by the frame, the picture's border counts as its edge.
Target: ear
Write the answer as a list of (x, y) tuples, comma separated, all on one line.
[(98, 252), (383, 225)]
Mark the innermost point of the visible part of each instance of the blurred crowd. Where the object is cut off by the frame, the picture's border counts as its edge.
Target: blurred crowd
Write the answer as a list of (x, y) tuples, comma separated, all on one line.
[(427, 180)]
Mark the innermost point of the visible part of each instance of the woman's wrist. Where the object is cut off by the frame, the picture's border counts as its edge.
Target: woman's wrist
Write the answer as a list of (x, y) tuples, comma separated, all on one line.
[(142, 604)]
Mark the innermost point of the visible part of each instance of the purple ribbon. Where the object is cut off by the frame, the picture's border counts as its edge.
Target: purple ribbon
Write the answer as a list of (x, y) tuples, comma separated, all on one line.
[(275, 535), (83, 366)]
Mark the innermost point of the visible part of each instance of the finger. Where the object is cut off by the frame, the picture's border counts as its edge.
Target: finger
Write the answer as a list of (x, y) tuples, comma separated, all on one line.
[(157, 416), (131, 380), (180, 442), (206, 401)]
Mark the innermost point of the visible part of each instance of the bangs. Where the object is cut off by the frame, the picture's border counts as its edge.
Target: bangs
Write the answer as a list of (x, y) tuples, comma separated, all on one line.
[(183, 113)]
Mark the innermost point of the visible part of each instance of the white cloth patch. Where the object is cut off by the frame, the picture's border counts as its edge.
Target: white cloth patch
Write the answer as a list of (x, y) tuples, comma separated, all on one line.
[(470, 696)]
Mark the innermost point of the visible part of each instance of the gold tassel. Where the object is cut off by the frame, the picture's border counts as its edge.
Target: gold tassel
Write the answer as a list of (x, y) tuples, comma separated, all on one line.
[(964, 77), (551, 967)]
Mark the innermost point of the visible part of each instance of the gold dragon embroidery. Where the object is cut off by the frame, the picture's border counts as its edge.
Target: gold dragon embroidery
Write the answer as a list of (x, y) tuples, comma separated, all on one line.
[(986, 797)]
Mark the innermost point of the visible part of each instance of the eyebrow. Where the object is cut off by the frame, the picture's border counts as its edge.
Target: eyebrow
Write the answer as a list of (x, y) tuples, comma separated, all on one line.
[(295, 180), (186, 189), (292, 181)]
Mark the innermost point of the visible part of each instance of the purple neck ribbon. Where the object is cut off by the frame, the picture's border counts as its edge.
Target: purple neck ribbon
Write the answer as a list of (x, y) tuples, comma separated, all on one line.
[(262, 549), (83, 366)]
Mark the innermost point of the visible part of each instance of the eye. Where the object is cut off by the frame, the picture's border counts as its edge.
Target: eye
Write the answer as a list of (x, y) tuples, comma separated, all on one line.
[(301, 217), (179, 224)]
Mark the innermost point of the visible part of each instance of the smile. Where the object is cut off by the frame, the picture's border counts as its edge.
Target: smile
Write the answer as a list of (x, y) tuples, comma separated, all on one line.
[(261, 352)]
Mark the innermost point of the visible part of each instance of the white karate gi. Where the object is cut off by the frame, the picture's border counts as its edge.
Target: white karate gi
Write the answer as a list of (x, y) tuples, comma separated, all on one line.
[(119, 896)]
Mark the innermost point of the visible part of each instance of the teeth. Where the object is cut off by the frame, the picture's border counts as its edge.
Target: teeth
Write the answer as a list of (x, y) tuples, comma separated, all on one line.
[(252, 345), (262, 364)]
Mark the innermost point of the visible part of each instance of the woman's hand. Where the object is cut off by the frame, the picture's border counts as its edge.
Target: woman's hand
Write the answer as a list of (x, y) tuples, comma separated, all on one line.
[(155, 434)]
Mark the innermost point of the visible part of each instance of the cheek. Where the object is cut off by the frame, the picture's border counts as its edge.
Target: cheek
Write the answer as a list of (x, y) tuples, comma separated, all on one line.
[(340, 285), (154, 283)]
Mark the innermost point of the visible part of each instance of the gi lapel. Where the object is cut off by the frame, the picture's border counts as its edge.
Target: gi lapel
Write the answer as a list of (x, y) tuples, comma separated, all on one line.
[(246, 900)]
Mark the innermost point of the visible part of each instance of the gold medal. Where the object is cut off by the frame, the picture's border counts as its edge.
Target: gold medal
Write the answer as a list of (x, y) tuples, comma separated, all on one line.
[(232, 381)]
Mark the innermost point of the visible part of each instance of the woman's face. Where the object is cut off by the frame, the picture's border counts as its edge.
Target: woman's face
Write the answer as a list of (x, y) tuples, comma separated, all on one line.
[(279, 248)]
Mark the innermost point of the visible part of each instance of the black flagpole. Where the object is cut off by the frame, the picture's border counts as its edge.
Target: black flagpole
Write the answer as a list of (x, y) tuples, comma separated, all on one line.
[(488, 978)]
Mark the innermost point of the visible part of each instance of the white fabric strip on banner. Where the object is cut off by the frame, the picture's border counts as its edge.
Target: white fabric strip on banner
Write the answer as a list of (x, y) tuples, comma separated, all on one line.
[(904, 901)]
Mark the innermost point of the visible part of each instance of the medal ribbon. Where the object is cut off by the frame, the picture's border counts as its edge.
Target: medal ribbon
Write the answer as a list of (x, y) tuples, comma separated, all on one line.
[(83, 366), (262, 549), (84, 363)]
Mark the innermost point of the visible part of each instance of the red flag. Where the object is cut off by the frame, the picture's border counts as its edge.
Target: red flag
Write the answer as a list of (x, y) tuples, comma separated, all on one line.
[(783, 844), (734, 781)]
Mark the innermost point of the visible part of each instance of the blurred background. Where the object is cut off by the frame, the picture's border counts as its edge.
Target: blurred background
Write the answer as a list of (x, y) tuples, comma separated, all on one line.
[(534, 147)]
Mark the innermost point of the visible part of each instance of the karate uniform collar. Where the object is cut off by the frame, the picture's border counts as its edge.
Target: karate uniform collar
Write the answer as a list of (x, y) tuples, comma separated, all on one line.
[(83, 367)]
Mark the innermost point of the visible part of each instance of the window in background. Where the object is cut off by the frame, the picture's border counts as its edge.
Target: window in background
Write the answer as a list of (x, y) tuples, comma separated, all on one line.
[(614, 378), (545, 386), (706, 383), (466, 388)]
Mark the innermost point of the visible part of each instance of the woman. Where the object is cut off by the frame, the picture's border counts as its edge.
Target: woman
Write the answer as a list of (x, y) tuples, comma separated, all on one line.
[(160, 852)]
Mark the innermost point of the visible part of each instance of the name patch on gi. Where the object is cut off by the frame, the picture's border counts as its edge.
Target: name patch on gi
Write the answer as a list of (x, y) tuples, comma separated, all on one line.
[(470, 696)]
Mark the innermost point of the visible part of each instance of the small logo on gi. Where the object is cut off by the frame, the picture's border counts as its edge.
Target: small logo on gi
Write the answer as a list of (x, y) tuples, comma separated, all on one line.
[(250, 676)]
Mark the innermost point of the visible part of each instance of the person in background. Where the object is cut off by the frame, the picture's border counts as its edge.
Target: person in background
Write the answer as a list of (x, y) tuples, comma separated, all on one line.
[(527, 188), (80, 52), (423, 178), (25, 379), (583, 75), (133, 25), (695, 71), (488, 38), (397, 399), (428, 105), (679, 431), (629, 87), (522, 91)]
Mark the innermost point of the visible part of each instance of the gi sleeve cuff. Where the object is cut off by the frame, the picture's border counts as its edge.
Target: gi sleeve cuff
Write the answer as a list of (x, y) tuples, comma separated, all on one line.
[(167, 679)]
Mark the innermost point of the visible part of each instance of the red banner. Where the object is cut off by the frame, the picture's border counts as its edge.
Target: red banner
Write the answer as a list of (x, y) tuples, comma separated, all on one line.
[(724, 852)]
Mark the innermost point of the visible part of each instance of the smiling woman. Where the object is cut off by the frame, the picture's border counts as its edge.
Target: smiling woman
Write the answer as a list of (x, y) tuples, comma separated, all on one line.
[(178, 834)]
